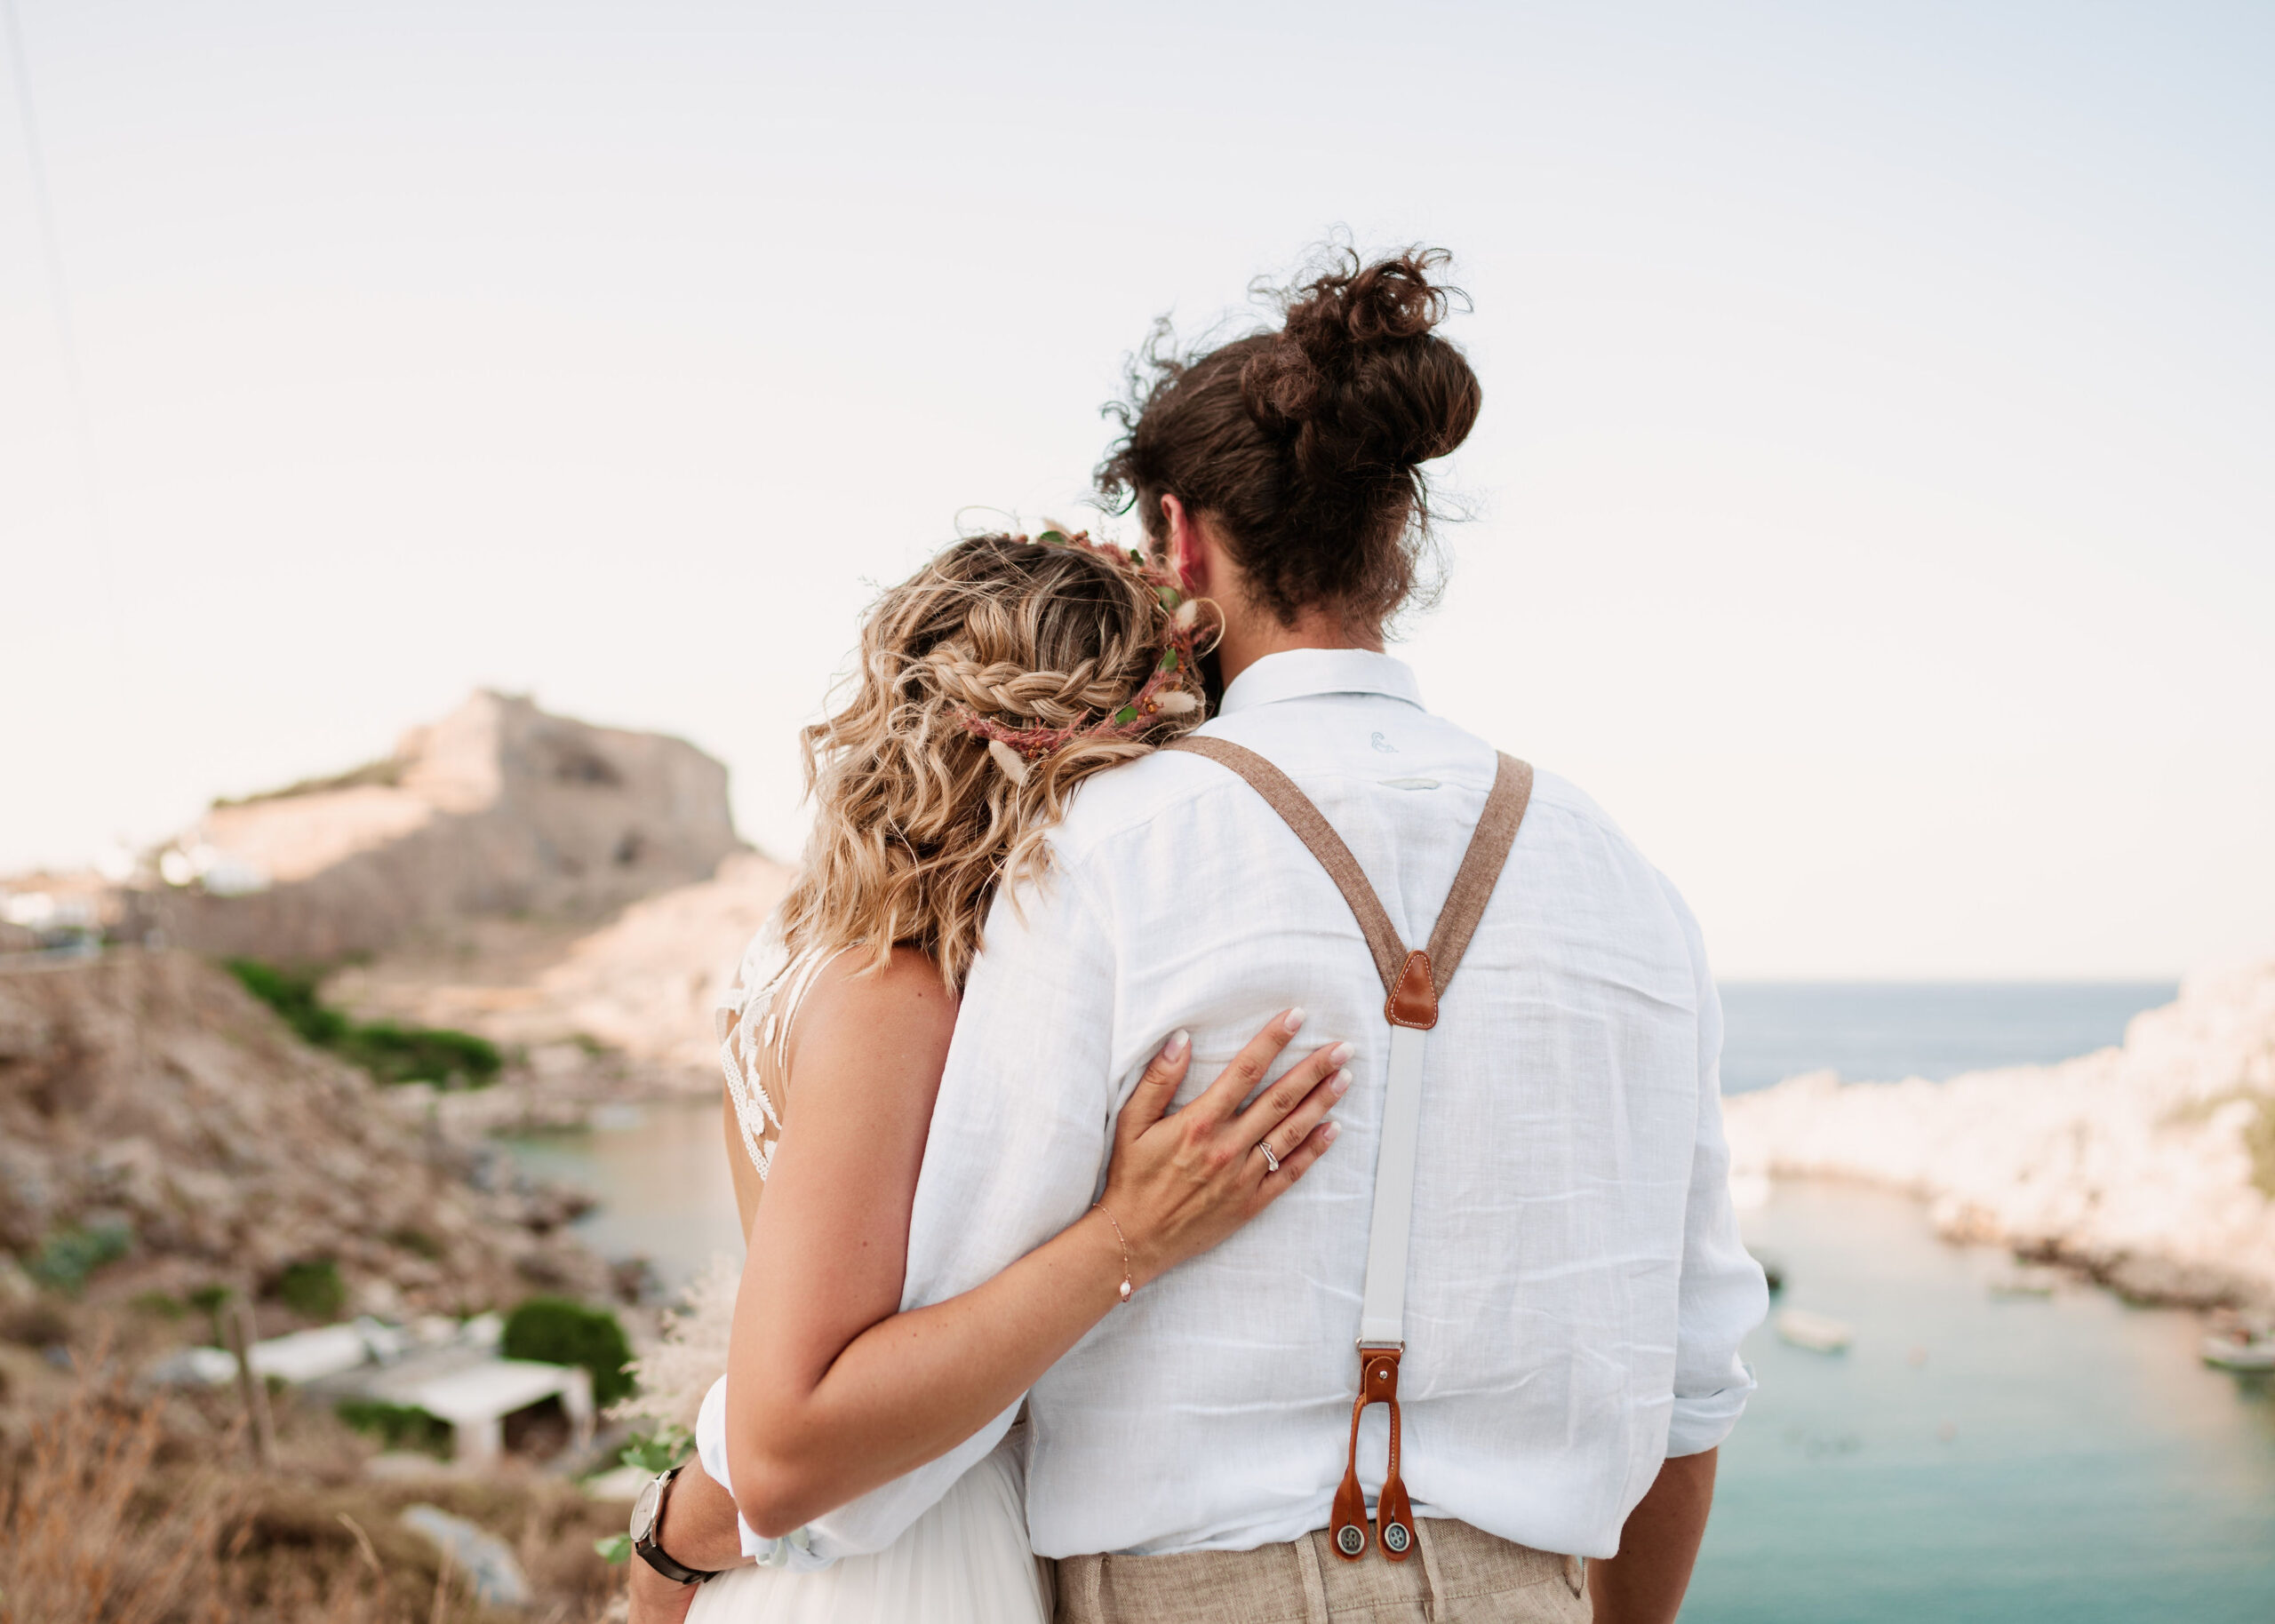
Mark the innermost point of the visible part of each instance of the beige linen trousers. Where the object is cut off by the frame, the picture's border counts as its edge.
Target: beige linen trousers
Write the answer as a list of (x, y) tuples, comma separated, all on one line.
[(1459, 1575)]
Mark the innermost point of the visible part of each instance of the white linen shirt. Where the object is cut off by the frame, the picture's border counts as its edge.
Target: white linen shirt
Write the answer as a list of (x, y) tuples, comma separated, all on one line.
[(1577, 1288)]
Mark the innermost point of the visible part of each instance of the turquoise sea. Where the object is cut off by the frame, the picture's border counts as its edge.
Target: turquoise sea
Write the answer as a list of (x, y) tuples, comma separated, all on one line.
[(1883, 1032), (1979, 1458), (1970, 1458)]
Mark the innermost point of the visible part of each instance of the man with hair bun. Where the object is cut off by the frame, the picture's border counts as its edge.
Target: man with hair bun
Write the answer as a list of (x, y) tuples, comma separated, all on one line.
[(1477, 1365), (1574, 1288)]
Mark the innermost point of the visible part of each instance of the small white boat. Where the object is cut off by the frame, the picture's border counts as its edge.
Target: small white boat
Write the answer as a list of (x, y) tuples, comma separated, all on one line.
[(2240, 1353), (1817, 1333)]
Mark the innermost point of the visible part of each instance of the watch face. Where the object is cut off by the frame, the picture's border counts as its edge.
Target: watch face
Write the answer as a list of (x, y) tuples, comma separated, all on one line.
[(643, 1510)]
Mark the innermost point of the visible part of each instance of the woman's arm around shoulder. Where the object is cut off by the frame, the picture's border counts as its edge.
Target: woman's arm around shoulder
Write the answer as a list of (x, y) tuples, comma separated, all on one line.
[(830, 1245), (830, 1393)]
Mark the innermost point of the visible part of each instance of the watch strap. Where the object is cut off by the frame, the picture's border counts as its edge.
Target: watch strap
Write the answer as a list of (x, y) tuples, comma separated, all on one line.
[(654, 1555)]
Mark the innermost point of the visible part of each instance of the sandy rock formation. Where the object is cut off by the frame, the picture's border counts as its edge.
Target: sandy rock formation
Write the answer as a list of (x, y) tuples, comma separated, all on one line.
[(618, 1012), (647, 982), (2151, 1166), (499, 808), (147, 1091)]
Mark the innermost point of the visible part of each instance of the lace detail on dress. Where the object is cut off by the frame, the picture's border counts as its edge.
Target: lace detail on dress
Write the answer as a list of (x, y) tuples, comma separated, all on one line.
[(754, 1027)]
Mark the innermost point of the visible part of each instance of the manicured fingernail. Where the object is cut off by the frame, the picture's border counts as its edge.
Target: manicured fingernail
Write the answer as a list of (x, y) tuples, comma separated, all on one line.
[(1327, 1132), (1340, 1053), (1174, 1049), (1295, 1018), (1341, 1086)]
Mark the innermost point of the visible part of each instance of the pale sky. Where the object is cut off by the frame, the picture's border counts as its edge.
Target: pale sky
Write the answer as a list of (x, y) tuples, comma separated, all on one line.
[(1873, 505)]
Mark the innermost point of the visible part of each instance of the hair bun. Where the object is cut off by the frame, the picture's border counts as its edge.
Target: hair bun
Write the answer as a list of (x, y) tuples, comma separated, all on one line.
[(1304, 442), (1356, 376)]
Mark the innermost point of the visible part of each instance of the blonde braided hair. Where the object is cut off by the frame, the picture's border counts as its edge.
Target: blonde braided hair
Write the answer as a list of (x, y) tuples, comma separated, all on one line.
[(990, 683)]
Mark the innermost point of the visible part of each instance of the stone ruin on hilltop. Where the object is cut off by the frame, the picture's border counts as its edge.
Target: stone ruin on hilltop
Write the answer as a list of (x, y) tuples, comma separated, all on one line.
[(499, 808)]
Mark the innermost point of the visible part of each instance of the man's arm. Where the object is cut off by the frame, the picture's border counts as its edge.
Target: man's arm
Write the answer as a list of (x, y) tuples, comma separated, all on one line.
[(1721, 1297), (1644, 1583), (698, 1531)]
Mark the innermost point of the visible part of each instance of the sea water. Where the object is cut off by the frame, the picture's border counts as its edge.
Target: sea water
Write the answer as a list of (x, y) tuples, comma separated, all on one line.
[(1970, 1457), (1979, 1457), (1885, 1031)]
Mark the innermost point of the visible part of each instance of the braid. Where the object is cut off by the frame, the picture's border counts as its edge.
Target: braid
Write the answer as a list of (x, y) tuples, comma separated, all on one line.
[(1058, 697), (991, 684)]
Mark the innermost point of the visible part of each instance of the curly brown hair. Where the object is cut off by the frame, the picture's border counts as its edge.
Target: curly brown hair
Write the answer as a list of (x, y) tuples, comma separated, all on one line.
[(1305, 442), (915, 824)]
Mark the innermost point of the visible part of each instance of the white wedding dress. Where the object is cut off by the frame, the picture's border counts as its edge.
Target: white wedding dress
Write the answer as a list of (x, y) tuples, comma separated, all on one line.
[(966, 1561)]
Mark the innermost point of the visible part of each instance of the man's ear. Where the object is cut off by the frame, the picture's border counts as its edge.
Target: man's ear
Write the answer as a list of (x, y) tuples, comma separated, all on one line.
[(1189, 553)]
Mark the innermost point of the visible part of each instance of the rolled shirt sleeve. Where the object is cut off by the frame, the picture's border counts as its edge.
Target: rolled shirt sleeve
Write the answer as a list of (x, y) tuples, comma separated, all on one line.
[(1020, 1137), (1723, 1294)]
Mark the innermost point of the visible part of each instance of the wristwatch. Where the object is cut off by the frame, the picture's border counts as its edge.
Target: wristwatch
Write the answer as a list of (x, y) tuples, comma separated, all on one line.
[(647, 1517)]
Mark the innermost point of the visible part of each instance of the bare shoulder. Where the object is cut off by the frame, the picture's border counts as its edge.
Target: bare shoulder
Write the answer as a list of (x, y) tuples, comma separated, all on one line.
[(896, 1017)]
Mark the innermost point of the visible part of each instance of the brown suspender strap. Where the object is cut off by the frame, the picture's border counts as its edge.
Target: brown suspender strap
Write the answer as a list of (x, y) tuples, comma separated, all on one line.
[(1412, 983), (1481, 867), (1473, 881), (1318, 836)]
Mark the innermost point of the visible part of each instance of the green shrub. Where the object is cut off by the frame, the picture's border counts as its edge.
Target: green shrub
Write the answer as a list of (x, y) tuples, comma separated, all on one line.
[(313, 1289), (398, 1426), (560, 1332), (68, 1256), (390, 1052), (659, 1450), (159, 1305), (292, 997), (421, 1055)]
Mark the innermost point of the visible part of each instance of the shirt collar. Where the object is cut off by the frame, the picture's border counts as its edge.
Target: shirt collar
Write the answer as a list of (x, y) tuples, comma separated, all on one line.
[(1298, 673)]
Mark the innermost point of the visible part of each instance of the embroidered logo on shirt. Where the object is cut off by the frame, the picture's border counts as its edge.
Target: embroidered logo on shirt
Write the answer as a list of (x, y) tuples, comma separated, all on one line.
[(1383, 744)]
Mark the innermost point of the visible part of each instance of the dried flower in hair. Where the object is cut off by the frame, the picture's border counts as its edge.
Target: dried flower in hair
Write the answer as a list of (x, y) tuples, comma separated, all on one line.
[(1165, 693), (1008, 758), (990, 686)]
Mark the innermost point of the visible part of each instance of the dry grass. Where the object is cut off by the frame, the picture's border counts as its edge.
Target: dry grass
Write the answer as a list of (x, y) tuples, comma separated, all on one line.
[(119, 1510), (76, 1544)]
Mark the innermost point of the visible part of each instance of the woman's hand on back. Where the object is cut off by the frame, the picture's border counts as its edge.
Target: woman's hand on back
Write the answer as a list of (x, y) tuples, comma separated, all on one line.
[(1181, 1182)]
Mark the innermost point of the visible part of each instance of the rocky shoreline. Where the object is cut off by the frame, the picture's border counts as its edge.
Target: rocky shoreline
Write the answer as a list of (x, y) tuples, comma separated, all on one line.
[(2149, 1167)]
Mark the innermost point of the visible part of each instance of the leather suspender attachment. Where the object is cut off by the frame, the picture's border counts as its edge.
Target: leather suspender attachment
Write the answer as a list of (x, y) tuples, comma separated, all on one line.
[(1412, 984)]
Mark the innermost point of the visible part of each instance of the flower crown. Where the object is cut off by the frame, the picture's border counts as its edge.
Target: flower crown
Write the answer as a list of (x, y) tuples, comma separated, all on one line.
[(1164, 693)]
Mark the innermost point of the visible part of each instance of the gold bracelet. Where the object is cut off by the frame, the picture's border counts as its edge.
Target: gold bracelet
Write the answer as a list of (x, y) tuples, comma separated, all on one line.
[(1127, 1287)]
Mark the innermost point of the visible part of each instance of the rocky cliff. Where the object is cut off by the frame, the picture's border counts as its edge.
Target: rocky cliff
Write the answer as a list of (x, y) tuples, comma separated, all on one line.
[(622, 1010), (149, 1106), (2150, 1166), (499, 808)]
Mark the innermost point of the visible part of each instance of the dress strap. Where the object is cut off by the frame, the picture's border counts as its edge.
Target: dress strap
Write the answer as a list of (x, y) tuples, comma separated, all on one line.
[(754, 1044)]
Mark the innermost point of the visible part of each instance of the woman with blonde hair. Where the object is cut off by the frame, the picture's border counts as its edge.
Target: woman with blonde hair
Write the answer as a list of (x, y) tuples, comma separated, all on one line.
[(990, 686)]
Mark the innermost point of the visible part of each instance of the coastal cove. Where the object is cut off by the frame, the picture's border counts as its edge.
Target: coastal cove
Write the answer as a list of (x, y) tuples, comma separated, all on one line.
[(1975, 1457), (1970, 1457)]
